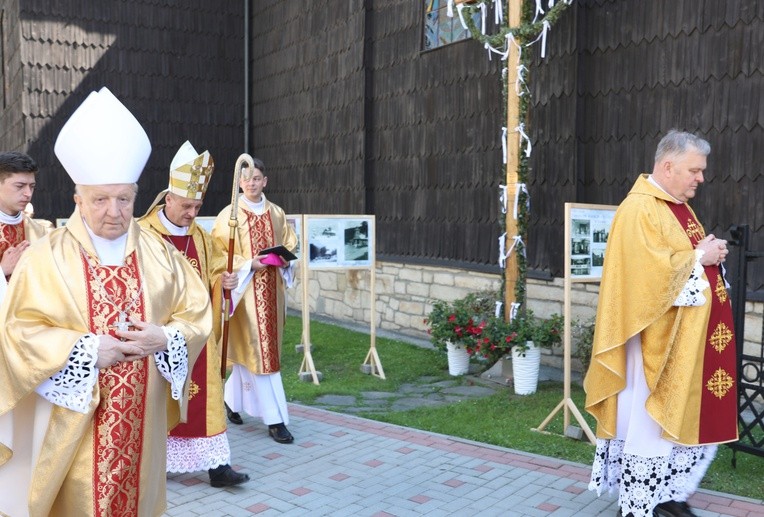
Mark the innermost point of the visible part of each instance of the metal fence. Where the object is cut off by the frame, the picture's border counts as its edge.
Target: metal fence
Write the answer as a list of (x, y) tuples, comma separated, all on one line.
[(750, 366)]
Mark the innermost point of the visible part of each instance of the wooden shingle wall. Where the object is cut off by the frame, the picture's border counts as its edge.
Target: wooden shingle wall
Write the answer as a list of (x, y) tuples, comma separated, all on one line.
[(12, 126), (352, 117), (617, 77), (176, 65), (307, 103)]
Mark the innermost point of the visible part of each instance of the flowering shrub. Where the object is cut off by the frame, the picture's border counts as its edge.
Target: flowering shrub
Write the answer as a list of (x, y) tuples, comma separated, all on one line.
[(469, 322), (544, 333)]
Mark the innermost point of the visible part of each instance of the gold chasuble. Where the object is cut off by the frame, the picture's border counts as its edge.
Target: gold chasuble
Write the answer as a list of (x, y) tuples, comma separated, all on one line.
[(205, 408), (257, 324), (688, 352), (109, 461)]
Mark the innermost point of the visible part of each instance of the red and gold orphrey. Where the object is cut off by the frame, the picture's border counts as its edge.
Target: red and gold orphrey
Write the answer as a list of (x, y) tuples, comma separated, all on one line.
[(11, 235), (261, 236), (196, 425), (718, 404), (118, 422)]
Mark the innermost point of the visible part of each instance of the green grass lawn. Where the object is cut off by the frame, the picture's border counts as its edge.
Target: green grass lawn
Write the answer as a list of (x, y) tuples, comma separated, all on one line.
[(503, 419)]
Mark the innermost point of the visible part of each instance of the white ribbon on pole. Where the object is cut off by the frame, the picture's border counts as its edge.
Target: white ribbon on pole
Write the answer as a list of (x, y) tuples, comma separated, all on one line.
[(521, 187), (528, 146), (539, 10), (513, 308), (521, 88), (504, 145), (545, 28), (450, 8), (504, 256), (483, 16), (503, 198), (550, 4), (460, 9), (498, 12), (511, 40), (490, 49), (497, 310)]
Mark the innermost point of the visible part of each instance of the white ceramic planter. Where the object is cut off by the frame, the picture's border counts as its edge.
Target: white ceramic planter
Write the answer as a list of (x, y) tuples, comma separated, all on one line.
[(458, 359), (525, 369)]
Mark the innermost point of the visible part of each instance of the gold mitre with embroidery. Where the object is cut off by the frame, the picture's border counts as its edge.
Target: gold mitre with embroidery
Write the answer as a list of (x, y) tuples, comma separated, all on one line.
[(190, 172)]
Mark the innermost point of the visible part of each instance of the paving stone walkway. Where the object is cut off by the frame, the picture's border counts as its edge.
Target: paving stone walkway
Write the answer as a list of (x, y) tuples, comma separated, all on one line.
[(343, 465)]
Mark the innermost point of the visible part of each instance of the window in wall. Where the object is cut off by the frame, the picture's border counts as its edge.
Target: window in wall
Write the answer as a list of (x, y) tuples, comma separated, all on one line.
[(439, 28)]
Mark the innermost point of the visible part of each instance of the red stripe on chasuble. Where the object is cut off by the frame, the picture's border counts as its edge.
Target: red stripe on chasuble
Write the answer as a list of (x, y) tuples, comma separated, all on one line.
[(118, 422), (11, 235), (261, 236), (718, 403), (196, 427)]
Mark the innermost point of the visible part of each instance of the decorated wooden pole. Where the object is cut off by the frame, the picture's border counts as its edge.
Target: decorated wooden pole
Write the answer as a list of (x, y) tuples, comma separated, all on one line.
[(511, 270)]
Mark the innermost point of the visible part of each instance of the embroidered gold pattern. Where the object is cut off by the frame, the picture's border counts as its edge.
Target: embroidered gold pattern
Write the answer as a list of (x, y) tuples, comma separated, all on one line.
[(118, 429), (720, 290), (193, 389), (694, 230), (720, 337), (264, 290), (720, 383)]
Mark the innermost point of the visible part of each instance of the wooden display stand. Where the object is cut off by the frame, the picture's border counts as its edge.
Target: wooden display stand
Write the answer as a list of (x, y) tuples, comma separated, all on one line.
[(590, 248), (321, 248)]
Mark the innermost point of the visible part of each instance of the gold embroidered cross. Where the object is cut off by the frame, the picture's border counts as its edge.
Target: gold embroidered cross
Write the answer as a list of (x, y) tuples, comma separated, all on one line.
[(720, 337), (720, 290), (719, 383), (693, 230)]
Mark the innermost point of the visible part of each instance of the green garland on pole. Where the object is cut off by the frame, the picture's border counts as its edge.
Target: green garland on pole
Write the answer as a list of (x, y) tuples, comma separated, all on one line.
[(523, 34)]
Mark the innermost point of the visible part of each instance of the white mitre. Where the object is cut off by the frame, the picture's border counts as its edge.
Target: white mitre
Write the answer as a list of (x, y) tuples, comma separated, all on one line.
[(102, 143)]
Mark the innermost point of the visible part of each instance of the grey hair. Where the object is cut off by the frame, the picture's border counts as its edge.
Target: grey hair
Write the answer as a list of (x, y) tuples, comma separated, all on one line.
[(678, 142)]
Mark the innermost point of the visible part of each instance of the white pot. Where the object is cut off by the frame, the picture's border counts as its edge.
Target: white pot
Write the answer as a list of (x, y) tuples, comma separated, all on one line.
[(525, 369), (458, 359)]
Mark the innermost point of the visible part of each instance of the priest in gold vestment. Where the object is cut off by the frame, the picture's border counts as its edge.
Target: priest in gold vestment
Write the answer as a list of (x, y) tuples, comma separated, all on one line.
[(662, 384), (201, 443), (18, 177), (101, 324), (257, 324)]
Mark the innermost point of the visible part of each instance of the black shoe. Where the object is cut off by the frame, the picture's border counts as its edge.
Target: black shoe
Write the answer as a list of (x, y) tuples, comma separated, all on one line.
[(619, 513), (233, 416), (280, 433), (224, 475), (673, 509)]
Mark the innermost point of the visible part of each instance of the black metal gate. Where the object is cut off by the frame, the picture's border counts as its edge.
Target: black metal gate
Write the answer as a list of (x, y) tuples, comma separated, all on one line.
[(750, 367)]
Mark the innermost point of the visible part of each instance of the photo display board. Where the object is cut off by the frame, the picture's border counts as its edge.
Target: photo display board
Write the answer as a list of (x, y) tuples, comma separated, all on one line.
[(340, 241), (589, 232), (295, 221)]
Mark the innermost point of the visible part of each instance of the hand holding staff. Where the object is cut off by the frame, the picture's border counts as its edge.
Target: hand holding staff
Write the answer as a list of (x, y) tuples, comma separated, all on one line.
[(233, 224)]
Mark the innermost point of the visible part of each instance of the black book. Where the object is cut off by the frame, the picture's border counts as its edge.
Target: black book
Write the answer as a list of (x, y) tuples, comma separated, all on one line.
[(281, 251)]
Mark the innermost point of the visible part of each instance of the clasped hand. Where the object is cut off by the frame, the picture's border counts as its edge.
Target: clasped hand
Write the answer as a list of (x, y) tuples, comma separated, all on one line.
[(130, 345), (715, 250)]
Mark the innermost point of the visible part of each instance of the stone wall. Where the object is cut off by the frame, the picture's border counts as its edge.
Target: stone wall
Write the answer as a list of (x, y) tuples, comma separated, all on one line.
[(404, 293)]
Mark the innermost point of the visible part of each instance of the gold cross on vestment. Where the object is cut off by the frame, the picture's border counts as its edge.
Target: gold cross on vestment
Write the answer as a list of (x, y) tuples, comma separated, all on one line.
[(693, 230)]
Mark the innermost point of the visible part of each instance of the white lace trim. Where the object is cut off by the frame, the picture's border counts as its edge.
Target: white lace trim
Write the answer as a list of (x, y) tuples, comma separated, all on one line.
[(642, 483), (173, 362), (692, 293), (195, 454), (72, 386)]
